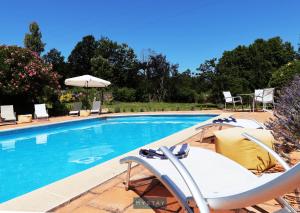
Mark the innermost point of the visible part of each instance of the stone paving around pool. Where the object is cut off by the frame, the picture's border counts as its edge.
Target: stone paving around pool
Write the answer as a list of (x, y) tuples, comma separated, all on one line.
[(112, 196)]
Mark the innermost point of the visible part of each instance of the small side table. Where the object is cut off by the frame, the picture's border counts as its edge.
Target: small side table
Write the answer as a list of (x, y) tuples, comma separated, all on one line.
[(85, 113), (251, 100), (24, 118)]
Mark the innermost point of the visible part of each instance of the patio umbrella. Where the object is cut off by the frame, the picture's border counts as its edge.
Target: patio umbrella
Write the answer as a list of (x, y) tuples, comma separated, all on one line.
[(87, 81)]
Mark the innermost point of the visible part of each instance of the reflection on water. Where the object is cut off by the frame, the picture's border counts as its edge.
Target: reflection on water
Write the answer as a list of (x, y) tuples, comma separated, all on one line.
[(8, 145), (41, 139), (89, 155)]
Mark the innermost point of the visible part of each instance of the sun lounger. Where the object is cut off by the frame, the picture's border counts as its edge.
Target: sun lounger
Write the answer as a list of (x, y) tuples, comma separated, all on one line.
[(230, 122), (8, 114), (76, 108), (214, 182), (96, 108), (40, 111)]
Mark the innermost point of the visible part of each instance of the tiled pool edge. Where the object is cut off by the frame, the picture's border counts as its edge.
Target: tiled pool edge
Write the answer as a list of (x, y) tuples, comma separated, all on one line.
[(64, 190)]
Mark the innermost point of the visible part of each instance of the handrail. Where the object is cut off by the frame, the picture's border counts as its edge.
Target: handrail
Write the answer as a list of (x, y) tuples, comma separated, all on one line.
[(268, 149), (188, 179)]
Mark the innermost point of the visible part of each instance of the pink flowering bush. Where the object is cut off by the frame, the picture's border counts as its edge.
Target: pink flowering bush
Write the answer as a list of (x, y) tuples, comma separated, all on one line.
[(23, 72)]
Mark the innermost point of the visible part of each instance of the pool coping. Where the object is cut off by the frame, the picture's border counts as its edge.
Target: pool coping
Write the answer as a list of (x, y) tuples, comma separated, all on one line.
[(64, 190)]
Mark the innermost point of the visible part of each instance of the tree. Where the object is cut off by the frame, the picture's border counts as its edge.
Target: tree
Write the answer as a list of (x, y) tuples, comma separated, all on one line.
[(181, 87), (81, 55), (33, 40), (285, 74), (157, 74), (55, 58), (115, 62), (247, 68), (25, 77)]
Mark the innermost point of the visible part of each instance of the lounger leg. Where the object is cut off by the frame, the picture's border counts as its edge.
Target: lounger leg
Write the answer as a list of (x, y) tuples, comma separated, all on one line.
[(202, 134), (127, 180), (286, 205)]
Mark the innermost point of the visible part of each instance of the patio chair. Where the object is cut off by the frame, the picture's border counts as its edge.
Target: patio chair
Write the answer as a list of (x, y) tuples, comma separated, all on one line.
[(76, 107), (96, 108), (238, 122), (264, 96), (213, 182), (8, 114), (232, 100), (40, 111)]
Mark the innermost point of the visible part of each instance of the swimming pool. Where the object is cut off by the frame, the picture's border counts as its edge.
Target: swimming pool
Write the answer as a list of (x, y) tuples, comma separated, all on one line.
[(34, 157)]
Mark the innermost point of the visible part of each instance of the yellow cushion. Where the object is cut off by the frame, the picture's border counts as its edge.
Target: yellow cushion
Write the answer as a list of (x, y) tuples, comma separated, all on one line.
[(233, 145)]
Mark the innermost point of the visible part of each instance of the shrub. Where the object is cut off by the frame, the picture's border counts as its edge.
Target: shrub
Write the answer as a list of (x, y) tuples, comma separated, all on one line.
[(286, 125), (131, 110), (23, 72), (66, 98), (285, 74), (59, 108), (124, 94), (186, 95), (117, 110)]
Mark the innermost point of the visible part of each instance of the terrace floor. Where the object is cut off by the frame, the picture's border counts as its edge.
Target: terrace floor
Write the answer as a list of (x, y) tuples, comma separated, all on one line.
[(111, 196)]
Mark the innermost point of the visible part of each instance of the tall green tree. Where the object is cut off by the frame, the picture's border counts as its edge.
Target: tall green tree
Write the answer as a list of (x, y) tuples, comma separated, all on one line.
[(181, 87), (115, 62), (57, 60), (247, 68), (157, 75), (33, 39), (80, 57)]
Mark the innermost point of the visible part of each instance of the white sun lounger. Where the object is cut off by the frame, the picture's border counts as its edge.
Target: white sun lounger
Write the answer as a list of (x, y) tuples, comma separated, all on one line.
[(243, 123), (40, 111), (96, 108), (76, 108), (215, 182), (8, 114)]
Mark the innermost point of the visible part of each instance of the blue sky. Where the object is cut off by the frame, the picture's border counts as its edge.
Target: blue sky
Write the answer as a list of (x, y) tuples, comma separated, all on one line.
[(188, 32)]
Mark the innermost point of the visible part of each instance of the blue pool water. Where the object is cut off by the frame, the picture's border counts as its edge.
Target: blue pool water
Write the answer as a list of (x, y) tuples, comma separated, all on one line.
[(34, 157)]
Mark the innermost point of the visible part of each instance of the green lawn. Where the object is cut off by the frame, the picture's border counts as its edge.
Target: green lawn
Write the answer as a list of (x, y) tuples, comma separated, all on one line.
[(155, 106)]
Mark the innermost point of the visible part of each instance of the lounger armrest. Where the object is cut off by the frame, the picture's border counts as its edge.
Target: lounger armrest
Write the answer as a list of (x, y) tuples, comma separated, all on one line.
[(268, 149), (188, 179)]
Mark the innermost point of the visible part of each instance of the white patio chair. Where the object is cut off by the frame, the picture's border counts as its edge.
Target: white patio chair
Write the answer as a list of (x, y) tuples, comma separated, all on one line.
[(214, 182), (40, 111), (229, 99), (8, 114), (264, 96)]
